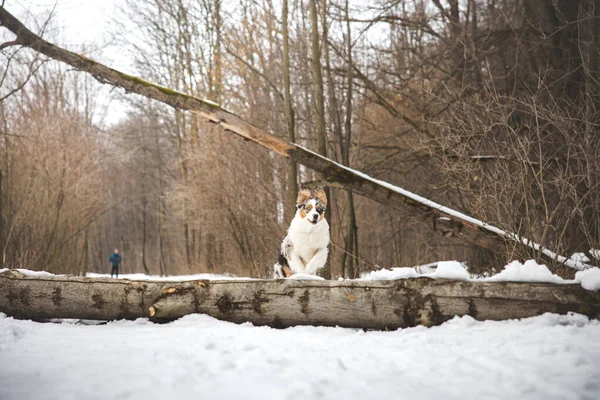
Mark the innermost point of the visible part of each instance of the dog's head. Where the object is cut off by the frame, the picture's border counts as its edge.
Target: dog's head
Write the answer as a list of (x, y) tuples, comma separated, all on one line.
[(311, 205)]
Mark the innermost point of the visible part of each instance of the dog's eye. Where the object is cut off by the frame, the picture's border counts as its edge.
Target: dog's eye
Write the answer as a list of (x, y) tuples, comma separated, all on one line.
[(320, 210)]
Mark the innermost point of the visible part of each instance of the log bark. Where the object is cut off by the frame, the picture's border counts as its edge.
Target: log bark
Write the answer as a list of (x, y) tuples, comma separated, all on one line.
[(449, 224), (284, 303)]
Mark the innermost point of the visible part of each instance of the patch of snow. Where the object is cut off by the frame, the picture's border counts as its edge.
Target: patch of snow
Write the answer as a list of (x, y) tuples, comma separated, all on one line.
[(580, 257), (426, 268), (515, 271), (306, 277), (450, 270), (531, 271), (449, 211), (589, 279), (210, 102), (545, 357), (444, 270), (390, 274), (29, 272), (144, 277)]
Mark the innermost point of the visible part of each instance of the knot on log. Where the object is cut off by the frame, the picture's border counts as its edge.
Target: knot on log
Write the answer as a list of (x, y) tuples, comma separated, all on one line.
[(304, 301), (175, 301), (225, 304), (98, 301), (421, 310), (258, 300)]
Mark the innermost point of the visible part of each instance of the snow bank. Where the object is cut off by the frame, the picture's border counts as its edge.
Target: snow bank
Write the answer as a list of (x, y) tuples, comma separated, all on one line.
[(445, 270), (531, 271), (589, 279), (451, 270), (546, 357)]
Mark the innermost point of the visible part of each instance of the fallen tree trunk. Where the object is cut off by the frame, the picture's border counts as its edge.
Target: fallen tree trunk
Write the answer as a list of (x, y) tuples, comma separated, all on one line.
[(284, 303), (449, 222)]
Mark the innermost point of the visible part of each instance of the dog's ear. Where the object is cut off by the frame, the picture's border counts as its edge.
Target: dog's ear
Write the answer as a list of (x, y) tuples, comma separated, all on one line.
[(320, 196), (303, 195)]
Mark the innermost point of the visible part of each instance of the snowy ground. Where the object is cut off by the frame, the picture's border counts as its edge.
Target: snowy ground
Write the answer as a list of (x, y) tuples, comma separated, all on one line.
[(198, 357)]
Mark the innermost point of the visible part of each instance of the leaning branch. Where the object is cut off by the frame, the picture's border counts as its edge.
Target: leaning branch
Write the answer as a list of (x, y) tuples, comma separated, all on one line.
[(450, 222)]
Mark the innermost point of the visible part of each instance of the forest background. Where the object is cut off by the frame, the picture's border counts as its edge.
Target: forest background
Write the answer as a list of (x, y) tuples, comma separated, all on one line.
[(490, 107)]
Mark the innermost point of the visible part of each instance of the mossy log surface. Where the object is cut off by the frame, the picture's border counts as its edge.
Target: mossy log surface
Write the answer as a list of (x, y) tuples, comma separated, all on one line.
[(284, 303), (334, 174)]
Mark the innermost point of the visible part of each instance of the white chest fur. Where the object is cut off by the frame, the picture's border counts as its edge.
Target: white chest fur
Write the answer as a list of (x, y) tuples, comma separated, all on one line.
[(307, 240)]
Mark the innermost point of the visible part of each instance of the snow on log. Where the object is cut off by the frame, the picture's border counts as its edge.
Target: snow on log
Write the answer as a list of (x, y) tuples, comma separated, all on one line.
[(450, 222), (283, 303)]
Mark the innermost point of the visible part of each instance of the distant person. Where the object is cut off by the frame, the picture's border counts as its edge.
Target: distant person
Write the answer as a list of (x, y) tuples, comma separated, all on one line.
[(115, 259)]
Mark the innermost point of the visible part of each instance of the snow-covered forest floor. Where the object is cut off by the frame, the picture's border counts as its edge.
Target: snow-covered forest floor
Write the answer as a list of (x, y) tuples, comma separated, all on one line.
[(198, 357), (545, 357)]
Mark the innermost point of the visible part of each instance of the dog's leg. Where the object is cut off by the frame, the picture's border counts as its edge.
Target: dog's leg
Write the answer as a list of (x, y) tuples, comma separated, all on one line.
[(289, 261), (287, 271), (281, 269), (296, 264), (278, 272), (318, 261)]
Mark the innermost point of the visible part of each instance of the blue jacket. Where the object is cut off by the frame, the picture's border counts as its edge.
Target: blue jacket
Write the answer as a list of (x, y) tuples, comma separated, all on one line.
[(115, 259)]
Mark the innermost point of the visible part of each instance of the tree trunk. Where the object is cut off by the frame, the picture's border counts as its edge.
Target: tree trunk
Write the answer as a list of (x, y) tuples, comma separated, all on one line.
[(1, 223), (283, 303), (319, 106), (352, 243), (289, 118), (144, 205), (451, 224), (84, 254), (218, 82), (144, 217), (159, 207), (318, 97)]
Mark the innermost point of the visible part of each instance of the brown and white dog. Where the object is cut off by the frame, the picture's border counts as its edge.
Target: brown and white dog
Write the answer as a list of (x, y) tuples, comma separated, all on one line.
[(304, 249)]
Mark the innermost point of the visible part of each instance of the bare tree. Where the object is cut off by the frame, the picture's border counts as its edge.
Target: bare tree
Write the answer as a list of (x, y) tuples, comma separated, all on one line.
[(289, 111)]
